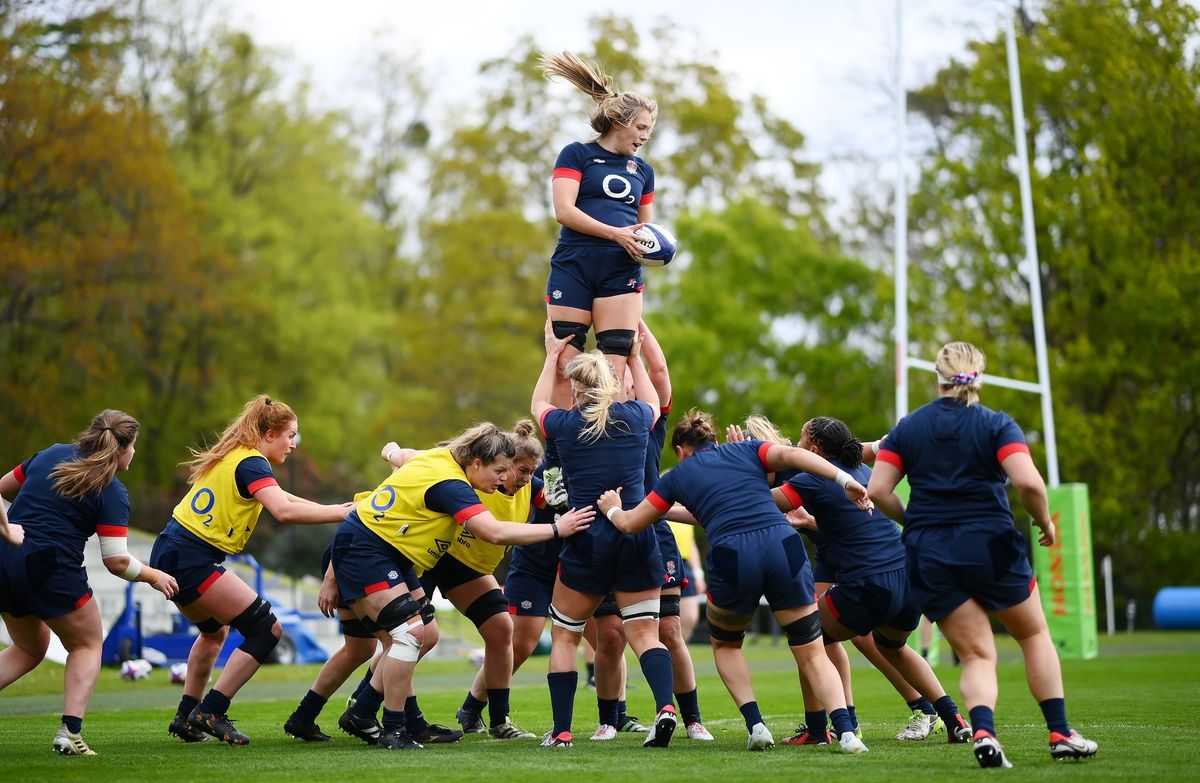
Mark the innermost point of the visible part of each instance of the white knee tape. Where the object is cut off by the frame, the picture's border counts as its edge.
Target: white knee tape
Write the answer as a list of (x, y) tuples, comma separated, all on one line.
[(405, 646), (562, 621), (642, 610)]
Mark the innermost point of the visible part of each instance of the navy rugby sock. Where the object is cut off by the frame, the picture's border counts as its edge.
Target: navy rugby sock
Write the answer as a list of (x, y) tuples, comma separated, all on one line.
[(1055, 713), (368, 702), (497, 705), (947, 710), (853, 716), (817, 723), (393, 720), (366, 680), (840, 718), (562, 698), (413, 717), (656, 666), (751, 713), (982, 719), (310, 706), (689, 706), (608, 712), (216, 702), (187, 704), (472, 704), (923, 705), (74, 724)]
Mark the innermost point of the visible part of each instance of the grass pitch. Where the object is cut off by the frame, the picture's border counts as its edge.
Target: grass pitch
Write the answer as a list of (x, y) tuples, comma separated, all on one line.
[(1138, 700)]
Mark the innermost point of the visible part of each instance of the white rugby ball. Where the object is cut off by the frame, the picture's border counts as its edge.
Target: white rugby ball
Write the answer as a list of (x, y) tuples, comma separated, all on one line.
[(659, 242), (135, 669), (178, 673)]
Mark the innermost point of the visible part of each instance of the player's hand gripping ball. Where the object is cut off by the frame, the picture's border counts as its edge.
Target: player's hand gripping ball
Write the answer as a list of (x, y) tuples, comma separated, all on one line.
[(659, 242)]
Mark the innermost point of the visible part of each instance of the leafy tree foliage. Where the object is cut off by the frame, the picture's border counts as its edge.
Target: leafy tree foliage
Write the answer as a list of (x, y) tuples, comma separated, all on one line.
[(1114, 134)]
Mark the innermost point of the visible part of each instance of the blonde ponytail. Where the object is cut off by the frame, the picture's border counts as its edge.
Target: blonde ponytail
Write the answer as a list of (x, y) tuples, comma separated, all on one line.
[(612, 107), (592, 373), (259, 416)]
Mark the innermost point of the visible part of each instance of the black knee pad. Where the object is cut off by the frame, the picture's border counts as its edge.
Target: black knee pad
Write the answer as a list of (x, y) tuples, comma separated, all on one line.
[(398, 612), (806, 629), (722, 635), (211, 625), (573, 329), (426, 611), (886, 643), (256, 624), (668, 606), (618, 342), (487, 606), (356, 629)]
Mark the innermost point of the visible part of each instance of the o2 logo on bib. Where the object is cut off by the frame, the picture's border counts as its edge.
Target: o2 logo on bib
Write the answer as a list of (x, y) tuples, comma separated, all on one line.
[(616, 186), (202, 503)]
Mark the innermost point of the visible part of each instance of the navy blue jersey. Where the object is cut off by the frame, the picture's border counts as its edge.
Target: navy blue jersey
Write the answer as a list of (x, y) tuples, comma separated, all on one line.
[(615, 459), (654, 448), (858, 544), (50, 519), (725, 488), (611, 187), (951, 453), (249, 475)]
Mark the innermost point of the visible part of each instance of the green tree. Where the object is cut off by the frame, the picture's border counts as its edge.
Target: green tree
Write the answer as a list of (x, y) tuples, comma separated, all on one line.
[(1114, 134), (108, 286)]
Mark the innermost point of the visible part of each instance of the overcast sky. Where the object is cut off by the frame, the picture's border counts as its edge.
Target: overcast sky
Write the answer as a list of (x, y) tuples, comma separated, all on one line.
[(826, 65)]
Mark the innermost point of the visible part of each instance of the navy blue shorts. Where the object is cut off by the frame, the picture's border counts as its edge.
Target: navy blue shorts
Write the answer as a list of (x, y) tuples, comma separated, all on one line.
[(769, 562), (194, 562), (364, 563), (602, 560), (607, 607), (530, 581), (42, 581), (672, 563), (949, 564), (580, 274), (689, 581), (883, 599), (448, 573), (824, 571)]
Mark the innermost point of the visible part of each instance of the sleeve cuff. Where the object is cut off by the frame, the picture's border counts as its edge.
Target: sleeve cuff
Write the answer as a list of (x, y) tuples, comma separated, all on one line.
[(1010, 449), (762, 455), (657, 501), (19, 474), (891, 458), (563, 172), (468, 512), (542, 420), (262, 483), (647, 198), (792, 495), (112, 531)]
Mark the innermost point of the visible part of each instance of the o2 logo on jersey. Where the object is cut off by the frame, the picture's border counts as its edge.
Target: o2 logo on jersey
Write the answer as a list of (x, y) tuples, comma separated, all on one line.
[(383, 499), (206, 498), (616, 186)]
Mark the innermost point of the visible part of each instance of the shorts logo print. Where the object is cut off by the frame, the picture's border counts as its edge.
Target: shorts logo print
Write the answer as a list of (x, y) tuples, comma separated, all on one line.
[(393, 574), (556, 294), (527, 604)]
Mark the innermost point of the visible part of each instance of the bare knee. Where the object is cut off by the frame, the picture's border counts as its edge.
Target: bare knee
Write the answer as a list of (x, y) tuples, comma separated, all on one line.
[(497, 631)]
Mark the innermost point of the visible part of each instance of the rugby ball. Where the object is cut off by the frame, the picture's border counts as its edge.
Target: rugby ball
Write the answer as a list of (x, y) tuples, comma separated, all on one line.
[(659, 242), (178, 673), (135, 669)]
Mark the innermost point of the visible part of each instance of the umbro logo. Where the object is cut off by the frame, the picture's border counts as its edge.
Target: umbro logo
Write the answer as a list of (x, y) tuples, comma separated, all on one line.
[(467, 534), (442, 546)]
